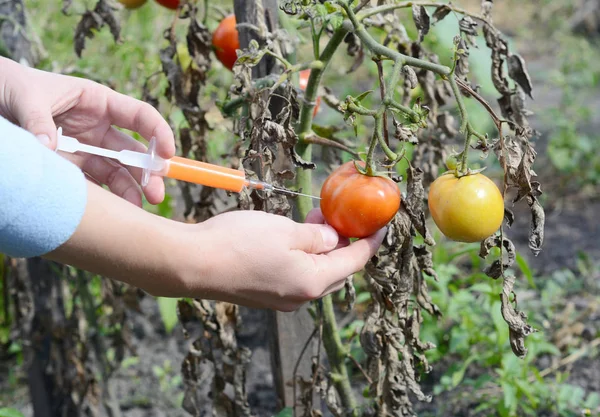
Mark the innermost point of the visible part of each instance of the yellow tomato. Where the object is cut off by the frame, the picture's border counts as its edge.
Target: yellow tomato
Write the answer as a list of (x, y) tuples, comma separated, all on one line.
[(132, 4), (466, 209)]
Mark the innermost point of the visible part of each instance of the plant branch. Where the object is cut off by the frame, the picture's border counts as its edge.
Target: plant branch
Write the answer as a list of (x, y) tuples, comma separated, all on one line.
[(331, 339), (318, 140), (336, 353), (382, 92), (405, 4), (378, 49)]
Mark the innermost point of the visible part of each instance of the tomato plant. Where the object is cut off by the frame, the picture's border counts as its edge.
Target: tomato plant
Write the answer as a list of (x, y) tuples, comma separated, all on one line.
[(356, 204), (466, 209), (132, 4), (304, 83), (225, 40), (169, 4)]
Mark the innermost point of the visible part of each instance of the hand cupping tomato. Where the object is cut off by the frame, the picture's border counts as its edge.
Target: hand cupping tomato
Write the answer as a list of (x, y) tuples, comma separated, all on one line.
[(357, 205), (466, 209), (225, 40)]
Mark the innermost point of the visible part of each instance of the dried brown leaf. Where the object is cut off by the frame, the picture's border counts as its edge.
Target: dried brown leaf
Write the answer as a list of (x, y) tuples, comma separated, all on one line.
[(94, 20), (516, 320), (441, 12), (410, 77), (421, 19), (517, 70), (536, 231), (414, 203)]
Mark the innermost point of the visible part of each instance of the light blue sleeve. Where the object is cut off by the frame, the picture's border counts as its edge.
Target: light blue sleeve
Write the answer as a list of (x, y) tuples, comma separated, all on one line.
[(42, 195)]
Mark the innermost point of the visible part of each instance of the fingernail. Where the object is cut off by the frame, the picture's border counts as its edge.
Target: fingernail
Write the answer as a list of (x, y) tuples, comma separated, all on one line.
[(44, 139), (330, 236)]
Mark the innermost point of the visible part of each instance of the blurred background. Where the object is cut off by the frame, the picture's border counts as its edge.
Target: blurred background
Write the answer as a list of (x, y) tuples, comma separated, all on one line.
[(474, 371)]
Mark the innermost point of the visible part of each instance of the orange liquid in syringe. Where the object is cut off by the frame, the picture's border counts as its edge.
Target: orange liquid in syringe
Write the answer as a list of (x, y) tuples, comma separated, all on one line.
[(206, 174)]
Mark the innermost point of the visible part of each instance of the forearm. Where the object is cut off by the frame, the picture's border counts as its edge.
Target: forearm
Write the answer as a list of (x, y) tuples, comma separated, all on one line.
[(119, 240)]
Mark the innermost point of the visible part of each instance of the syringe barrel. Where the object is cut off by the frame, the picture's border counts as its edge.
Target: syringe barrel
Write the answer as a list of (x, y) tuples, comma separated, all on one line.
[(206, 174)]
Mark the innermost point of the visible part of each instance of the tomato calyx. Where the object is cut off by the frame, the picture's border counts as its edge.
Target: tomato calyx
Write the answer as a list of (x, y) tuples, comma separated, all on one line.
[(459, 174)]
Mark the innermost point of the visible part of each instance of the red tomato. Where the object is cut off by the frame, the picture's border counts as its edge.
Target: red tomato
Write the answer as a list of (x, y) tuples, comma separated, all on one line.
[(358, 205), (225, 41), (169, 4), (304, 74)]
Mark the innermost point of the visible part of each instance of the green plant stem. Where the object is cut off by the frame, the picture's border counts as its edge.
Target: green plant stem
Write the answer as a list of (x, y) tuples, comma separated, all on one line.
[(461, 105), (232, 105), (304, 150), (393, 81), (331, 338), (406, 4), (378, 49), (465, 125), (406, 110), (336, 353)]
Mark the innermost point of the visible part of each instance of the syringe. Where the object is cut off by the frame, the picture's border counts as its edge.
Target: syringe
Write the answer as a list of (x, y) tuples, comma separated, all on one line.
[(178, 168)]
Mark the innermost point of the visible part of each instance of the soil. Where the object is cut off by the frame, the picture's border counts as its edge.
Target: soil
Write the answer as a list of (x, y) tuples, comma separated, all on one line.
[(571, 227)]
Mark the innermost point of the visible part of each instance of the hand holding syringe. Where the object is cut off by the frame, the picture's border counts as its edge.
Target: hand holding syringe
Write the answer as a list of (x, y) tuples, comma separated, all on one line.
[(178, 168)]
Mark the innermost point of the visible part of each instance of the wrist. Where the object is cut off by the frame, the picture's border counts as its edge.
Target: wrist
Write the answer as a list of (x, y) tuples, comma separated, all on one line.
[(195, 260)]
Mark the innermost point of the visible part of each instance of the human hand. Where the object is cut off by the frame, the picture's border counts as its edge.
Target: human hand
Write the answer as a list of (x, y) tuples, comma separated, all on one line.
[(263, 260), (40, 101)]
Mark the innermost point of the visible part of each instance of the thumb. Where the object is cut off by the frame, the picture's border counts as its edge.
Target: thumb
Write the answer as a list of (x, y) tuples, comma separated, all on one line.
[(38, 121), (315, 238)]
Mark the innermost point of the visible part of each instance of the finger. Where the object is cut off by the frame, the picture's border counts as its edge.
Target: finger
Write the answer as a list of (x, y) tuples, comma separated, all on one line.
[(314, 238), (116, 177), (315, 216), (118, 141), (336, 286), (348, 260), (141, 117), (37, 118)]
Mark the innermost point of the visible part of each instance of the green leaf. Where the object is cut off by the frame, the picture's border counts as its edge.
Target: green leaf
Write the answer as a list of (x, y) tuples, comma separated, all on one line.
[(499, 323), (10, 412), (458, 376), (336, 20), (510, 396), (321, 10), (527, 389), (286, 412), (592, 401), (525, 269), (168, 312), (362, 96)]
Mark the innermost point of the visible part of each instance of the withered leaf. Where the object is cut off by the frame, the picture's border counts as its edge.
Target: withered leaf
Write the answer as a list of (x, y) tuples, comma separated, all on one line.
[(410, 77), (497, 268), (536, 231), (199, 45), (516, 320), (404, 133), (524, 172), (290, 7), (94, 20), (447, 124), (421, 19), (509, 217), (518, 72), (441, 12), (425, 260), (468, 26), (350, 294), (414, 203), (65, 7)]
